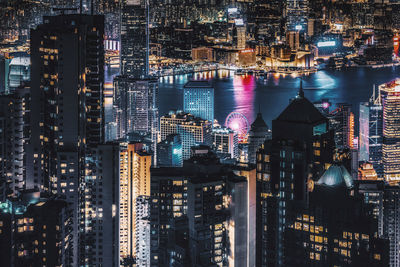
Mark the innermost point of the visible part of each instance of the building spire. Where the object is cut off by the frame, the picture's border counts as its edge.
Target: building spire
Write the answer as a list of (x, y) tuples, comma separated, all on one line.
[(301, 91)]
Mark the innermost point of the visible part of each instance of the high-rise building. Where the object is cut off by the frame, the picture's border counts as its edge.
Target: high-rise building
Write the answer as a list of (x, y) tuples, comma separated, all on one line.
[(391, 130), (300, 138), (67, 116), (99, 213), (199, 215), (316, 232), (296, 13), (134, 181), (225, 142), (170, 152), (391, 223), (371, 133), (135, 38), (142, 231), (341, 120), (136, 106), (192, 130), (259, 132), (198, 100), (14, 110), (33, 232), (19, 72)]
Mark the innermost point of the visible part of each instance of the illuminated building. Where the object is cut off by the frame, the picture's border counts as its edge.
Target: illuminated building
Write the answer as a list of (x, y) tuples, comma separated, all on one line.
[(300, 138), (296, 14), (239, 35), (389, 94), (67, 115), (136, 106), (19, 72), (170, 152), (202, 54), (225, 142), (335, 228), (391, 222), (143, 231), (199, 214), (135, 38), (99, 214), (366, 171), (342, 122), (192, 130), (14, 108), (198, 100), (371, 133), (134, 182), (33, 233), (258, 133)]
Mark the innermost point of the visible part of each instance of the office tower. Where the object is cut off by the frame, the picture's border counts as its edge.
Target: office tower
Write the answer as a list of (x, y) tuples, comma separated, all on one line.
[(19, 72), (136, 106), (391, 223), (335, 228), (300, 138), (66, 109), (371, 133), (143, 231), (33, 232), (199, 214), (239, 35), (99, 213), (391, 132), (14, 110), (296, 14), (249, 172), (225, 142), (341, 120), (134, 182), (135, 38), (192, 130), (170, 152), (259, 132), (198, 100)]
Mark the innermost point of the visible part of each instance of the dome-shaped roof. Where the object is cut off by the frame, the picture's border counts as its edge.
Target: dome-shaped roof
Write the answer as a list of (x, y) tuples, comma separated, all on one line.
[(335, 176)]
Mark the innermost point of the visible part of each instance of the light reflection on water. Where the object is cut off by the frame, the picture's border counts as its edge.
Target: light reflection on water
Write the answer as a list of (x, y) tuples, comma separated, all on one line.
[(272, 93)]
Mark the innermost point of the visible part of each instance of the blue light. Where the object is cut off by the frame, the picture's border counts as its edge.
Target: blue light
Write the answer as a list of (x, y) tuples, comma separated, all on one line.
[(298, 27)]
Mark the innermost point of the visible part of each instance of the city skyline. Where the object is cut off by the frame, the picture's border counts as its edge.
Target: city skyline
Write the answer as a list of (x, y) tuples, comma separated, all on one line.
[(207, 133)]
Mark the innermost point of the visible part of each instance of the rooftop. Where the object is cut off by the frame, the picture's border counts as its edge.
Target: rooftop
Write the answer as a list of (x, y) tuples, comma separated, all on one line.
[(198, 84)]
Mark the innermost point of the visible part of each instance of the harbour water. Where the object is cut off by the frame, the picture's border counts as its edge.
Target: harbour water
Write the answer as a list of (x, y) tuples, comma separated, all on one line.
[(271, 94)]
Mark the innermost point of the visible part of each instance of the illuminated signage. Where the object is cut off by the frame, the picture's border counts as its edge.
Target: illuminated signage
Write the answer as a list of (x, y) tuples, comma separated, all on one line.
[(239, 22), (247, 51), (326, 43), (232, 10), (298, 27)]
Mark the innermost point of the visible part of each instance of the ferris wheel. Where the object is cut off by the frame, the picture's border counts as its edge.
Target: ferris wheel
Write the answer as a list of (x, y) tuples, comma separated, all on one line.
[(238, 123)]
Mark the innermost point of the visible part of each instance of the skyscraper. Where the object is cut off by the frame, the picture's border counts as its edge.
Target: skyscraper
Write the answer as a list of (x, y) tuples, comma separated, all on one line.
[(198, 100), (199, 215), (135, 38), (296, 13), (136, 106), (66, 109), (371, 133), (134, 182), (300, 138), (391, 130), (14, 129)]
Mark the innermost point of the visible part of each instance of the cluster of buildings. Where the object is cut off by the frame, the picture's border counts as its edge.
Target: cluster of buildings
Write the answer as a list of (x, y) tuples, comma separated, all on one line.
[(85, 186)]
